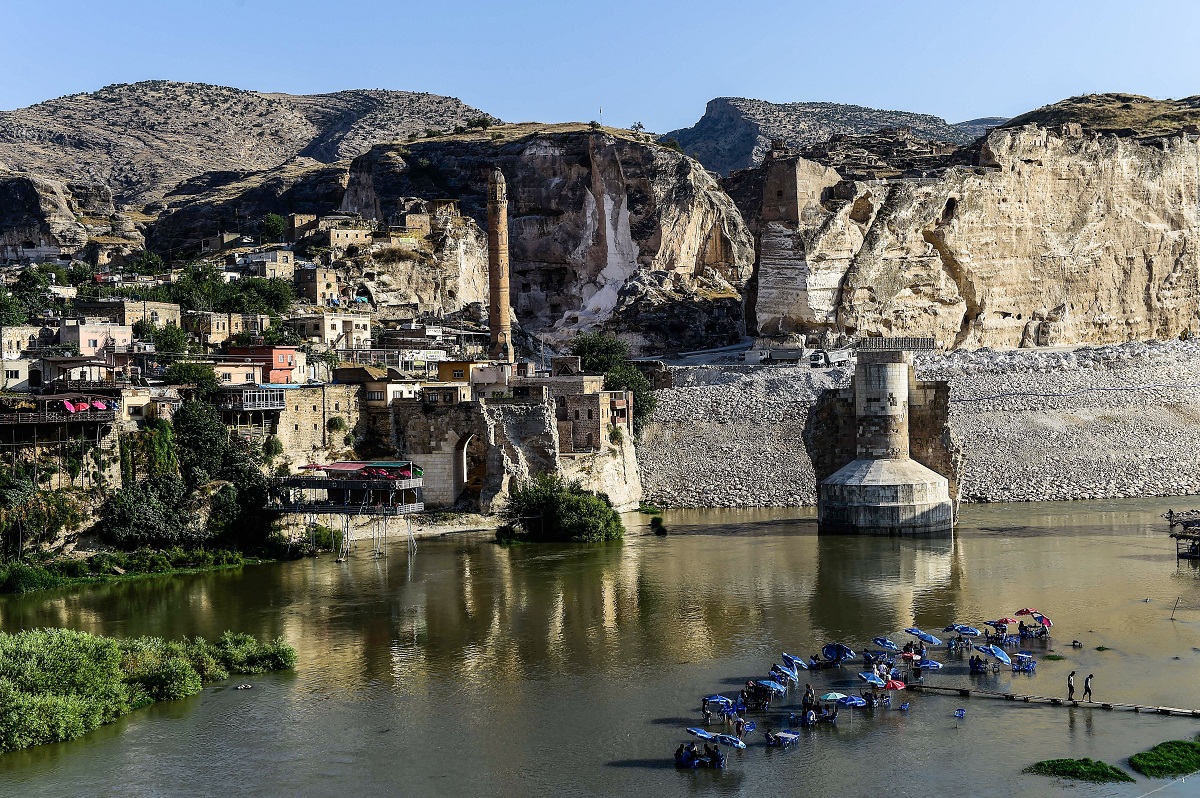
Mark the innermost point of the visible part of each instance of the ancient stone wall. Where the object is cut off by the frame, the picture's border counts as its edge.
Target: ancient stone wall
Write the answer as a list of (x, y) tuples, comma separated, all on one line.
[(303, 426)]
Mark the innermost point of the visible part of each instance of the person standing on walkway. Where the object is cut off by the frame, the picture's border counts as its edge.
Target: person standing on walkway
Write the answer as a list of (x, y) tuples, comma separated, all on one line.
[(1071, 686), (1087, 688)]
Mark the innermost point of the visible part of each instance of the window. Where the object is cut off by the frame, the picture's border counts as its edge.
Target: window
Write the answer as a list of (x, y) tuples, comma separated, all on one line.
[(135, 411), (337, 406), (12, 374), (226, 376), (458, 374), (375, 396), (576, 415), (314, 408), (93, 343), (589, 415), (449, 397), (297, 427), (249, 376)]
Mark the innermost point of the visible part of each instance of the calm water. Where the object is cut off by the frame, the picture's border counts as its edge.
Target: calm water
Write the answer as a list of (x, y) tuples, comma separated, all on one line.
[(480, 670)]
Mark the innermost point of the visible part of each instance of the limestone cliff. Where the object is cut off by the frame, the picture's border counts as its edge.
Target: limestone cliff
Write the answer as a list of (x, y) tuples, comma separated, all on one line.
[(591, 213), (1051, 239), (40, 217)]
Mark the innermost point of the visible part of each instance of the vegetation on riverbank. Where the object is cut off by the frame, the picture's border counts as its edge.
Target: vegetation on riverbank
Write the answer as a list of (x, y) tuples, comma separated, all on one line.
[(1080, 770), (27, 576), (1172, 758), (549, 509), (58, 684)]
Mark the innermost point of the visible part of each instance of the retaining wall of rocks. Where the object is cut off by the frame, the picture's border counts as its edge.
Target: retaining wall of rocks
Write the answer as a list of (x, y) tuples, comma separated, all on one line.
[(1035, 425)]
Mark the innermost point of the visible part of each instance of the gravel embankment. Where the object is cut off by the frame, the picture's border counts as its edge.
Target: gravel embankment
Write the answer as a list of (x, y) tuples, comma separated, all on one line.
[(1034, 425)]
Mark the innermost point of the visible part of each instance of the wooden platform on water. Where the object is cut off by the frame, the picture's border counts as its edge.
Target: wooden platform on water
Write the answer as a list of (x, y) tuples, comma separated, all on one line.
[(971, 692)]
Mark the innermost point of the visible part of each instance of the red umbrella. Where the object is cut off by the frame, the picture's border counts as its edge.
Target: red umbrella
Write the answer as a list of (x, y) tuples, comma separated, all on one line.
[(1026, 611), (892, 684), (1006, 620), (1043, 620)]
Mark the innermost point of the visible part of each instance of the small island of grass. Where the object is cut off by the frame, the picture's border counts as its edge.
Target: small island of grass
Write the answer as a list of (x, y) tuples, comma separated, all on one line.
[(1172, 758), (59, 684), (1080, 770), (550, 509)]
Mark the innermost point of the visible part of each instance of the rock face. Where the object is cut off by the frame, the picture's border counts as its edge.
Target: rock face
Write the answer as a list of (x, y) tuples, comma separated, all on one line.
[(44, 218), (735, 132), (602, 225), (142, 139), (1095, 239)]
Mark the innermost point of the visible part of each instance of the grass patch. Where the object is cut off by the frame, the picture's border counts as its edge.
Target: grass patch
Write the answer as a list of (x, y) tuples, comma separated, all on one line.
[(649, 509), (1080, 770), (26, 577), (1172, 758), (1054, 657), (58, 684), (1102, 648)]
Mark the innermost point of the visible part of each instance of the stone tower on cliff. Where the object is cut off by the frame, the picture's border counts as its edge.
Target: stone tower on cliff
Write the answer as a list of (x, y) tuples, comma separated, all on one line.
[(498, 284)]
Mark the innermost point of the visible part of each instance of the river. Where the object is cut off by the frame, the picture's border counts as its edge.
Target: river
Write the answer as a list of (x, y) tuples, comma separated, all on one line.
[(474, 669)]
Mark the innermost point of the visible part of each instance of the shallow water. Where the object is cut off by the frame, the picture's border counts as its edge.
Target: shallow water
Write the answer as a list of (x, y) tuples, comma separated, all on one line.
[(480, 670)]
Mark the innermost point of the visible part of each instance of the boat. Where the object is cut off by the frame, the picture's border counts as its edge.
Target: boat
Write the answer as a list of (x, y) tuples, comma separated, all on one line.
[(701, 733), (731, 741), (797, 663)]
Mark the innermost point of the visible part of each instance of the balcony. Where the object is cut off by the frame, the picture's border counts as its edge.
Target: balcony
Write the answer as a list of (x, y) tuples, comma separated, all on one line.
[(88, 416), (251, 399)]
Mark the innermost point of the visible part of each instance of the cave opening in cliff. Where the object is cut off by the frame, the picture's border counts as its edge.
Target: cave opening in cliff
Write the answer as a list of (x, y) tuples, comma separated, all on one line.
[(949, 212)]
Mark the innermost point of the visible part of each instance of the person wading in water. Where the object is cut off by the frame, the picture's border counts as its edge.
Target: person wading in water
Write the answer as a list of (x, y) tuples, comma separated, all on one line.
[(1087, 688)]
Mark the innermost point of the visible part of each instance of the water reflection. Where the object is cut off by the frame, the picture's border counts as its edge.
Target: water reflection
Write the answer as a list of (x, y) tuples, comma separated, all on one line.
[(594, 657)]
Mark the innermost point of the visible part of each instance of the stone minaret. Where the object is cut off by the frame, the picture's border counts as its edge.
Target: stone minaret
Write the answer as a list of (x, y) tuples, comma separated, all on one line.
[(498, 314)]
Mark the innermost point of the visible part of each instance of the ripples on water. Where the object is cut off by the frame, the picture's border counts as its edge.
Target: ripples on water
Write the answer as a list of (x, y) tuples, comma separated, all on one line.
[(572, 670)]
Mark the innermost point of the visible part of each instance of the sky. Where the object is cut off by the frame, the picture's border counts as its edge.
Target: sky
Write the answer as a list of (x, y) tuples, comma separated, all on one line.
[(657, 63)]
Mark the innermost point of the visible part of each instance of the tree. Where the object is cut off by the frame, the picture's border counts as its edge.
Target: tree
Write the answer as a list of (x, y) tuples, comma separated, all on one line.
[(637, 127), (273, 226), (671, 144), (12, 310), (481, 122), (604, 354), (146, 263), (170, 338), (189, 373), (549, 508), (594, 125), (203, 442), (598, 352)]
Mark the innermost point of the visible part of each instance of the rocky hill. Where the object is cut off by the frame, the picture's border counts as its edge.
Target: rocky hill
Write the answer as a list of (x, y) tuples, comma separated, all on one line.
[(981, 126), (142, 139), (736, 133), (1122, 114)]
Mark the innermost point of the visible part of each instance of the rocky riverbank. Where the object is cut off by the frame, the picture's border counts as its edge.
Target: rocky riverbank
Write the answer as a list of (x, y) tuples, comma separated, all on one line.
[(1104, 422)]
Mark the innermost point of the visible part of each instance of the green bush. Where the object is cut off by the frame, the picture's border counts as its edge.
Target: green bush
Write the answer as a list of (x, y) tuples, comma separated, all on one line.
[(1172, 758), (57, 684), (1079, 769), (19, 577), (549, 508), (336, 424)]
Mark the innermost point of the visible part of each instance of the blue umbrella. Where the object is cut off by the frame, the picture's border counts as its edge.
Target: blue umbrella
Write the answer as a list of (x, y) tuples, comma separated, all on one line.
[(923, 636), (885, 643), (929, 664), (996, 652), (797, 663), (851, 701), (969, 631), (701, 733), (774, 687), (871, 678)]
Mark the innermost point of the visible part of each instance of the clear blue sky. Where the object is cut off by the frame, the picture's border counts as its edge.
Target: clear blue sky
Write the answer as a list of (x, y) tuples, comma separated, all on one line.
[(653, 62)]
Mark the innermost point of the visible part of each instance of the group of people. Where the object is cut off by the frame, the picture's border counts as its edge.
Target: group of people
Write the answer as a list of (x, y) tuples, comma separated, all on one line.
[(1087, 687), (813, 710), (688, 756), (978, 664)]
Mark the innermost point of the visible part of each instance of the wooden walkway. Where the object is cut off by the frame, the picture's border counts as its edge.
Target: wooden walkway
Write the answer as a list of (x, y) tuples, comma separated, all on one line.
[(971, 692)]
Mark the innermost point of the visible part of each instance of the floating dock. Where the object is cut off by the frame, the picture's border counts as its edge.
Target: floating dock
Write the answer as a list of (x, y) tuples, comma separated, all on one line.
[(971, 692)]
